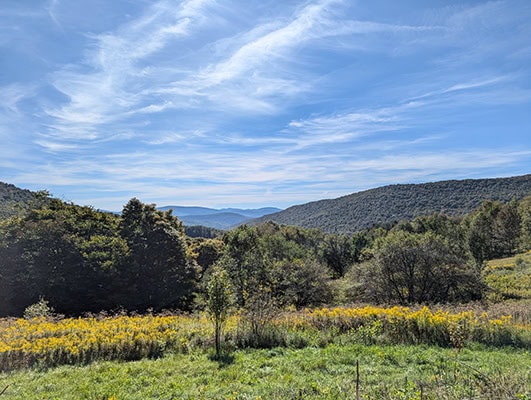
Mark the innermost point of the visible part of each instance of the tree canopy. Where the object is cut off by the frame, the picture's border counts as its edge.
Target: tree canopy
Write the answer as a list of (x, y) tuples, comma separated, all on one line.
[(82, 260)]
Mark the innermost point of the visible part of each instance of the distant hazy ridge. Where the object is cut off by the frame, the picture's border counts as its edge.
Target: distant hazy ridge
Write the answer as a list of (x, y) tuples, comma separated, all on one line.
[(346, 214)]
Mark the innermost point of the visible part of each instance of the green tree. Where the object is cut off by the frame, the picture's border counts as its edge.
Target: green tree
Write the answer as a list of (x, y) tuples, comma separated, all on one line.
[(158, 274), (205, 252), (245, 262), (524, 210), (417, 268), (218, 302), (301, 282), (479, 227), (338, 253), (63, 252), (493, 230), (506, 230)]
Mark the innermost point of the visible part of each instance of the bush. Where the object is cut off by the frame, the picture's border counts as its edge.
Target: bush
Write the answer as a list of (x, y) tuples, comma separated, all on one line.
[(41, 309)]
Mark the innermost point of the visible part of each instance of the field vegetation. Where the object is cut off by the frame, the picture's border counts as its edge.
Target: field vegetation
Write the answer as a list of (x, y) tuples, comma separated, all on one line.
[(46, 343), (130, 307), (403, 353), (509, 278), (329, 372)]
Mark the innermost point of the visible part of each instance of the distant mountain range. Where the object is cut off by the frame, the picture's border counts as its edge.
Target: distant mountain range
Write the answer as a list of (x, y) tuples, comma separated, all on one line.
[(224, 218), (392, 203), (345, 214)]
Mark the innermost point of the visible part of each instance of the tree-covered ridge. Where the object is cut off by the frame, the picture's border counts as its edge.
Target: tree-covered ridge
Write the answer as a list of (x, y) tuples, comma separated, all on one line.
[(389, 204), (14, 199)]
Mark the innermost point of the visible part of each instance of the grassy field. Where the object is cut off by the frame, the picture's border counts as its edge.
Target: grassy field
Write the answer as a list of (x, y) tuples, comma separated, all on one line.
[(402, 354), (329, 372), (48, 343), (474, 351), (509, 278)]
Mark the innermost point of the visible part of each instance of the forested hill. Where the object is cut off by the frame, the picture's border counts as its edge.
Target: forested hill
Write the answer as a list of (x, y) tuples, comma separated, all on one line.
[(13, 199), (391, 203)]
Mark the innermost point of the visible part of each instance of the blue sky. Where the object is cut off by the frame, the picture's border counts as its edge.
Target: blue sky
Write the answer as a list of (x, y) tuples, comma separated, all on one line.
[(252, 103)]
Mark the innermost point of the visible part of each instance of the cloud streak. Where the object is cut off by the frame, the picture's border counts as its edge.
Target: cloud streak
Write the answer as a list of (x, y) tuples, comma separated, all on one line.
[(110, 82), (249, 177), (221, 103)]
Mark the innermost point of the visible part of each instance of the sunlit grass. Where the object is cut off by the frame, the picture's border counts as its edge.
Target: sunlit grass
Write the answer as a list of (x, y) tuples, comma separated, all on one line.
[(45, 343), (509, 278), (386, 372)]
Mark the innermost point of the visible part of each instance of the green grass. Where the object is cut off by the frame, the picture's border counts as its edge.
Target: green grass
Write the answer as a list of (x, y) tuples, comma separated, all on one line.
[(386, 372)]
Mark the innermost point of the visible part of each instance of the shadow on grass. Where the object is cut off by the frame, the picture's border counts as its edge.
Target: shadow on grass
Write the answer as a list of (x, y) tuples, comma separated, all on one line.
[(223, 359)]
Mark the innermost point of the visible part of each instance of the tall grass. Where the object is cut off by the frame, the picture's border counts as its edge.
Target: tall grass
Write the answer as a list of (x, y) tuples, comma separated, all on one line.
[(423, 326), (509, 278), (40, 342)]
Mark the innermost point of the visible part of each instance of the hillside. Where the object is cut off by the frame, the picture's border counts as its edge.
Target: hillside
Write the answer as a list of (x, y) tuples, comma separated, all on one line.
[(391, 203), (222, 220), (13, 199), (225, 218)]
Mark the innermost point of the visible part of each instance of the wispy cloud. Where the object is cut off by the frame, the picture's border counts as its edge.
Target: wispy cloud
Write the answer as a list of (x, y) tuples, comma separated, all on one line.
[(294, 179), (110, 83), (217, 103), (346, 127), (55, 147), (117, 82), (12, 94), (51, 11), (405, 113), (463, 86), (257, 74)]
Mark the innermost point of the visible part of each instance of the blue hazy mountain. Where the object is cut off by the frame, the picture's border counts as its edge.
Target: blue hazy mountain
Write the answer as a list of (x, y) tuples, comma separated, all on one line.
[(224, 218)]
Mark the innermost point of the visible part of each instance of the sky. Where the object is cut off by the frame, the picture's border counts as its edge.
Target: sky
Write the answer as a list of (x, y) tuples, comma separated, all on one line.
[(254, 103)]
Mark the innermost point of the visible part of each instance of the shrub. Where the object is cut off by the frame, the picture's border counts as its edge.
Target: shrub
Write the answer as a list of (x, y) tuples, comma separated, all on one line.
[(41, 309)]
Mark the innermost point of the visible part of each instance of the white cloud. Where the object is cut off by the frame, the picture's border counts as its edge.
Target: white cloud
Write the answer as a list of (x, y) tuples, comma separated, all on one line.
[(11, 95), (246, 178), (341, 128), (258, 73), (288, 101), (55, 147), (110, 85)]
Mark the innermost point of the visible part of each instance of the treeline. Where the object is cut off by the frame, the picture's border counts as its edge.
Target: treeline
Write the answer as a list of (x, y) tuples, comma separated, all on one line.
[(82, 260)]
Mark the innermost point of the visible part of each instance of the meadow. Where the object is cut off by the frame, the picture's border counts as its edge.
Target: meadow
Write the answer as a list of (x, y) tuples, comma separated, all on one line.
[(329, 372), (400, 353), (510, 277)]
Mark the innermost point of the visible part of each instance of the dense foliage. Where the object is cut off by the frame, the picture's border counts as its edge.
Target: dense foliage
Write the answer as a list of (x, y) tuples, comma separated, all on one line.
[(81, 260), (411, 268), (13, 200), (389, 204)]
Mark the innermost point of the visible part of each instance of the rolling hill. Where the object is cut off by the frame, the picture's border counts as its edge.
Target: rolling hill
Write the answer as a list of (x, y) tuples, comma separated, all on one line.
[(224, 218), (391, 203), (14, 199), (345, 214)]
